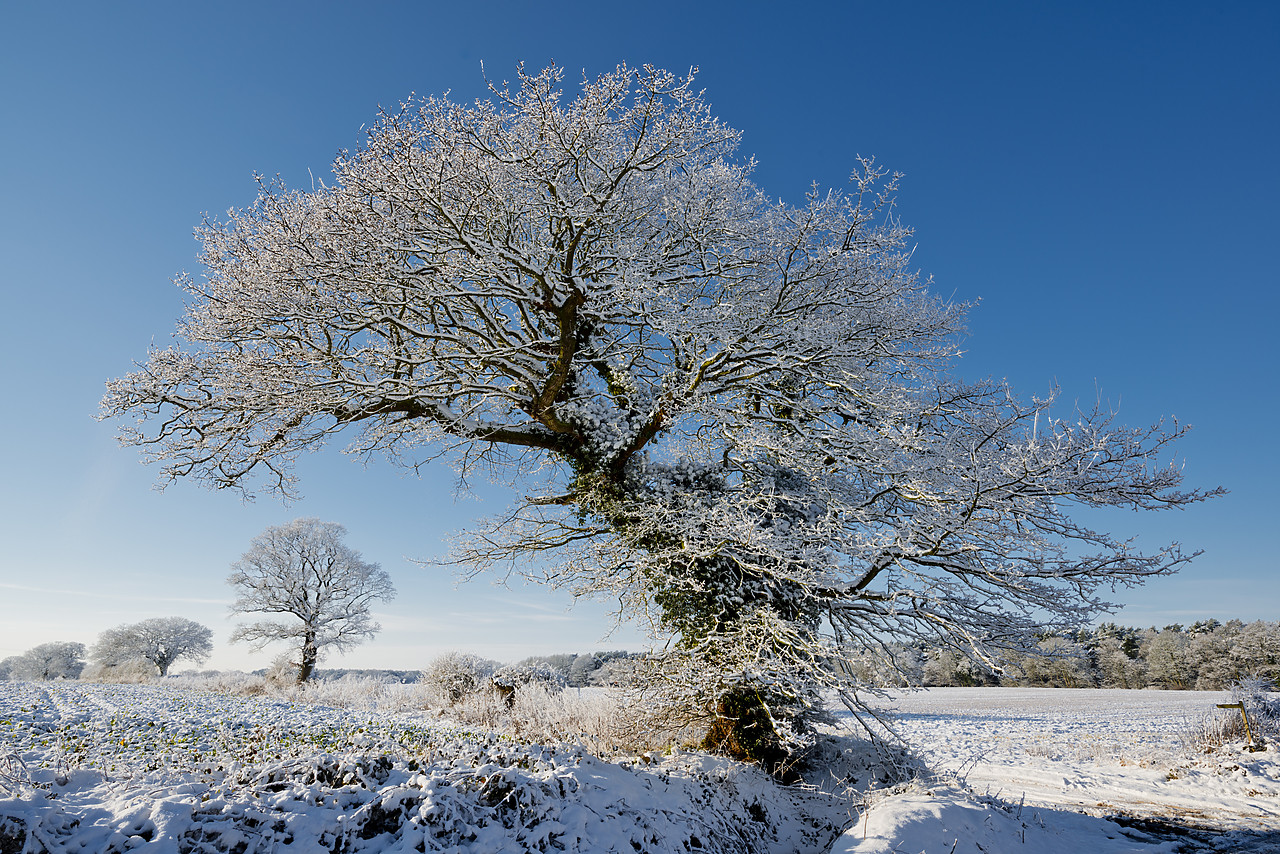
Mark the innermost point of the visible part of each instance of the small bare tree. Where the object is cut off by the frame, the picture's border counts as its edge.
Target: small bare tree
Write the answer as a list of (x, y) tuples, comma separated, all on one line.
[(160, 640), (304, 570)]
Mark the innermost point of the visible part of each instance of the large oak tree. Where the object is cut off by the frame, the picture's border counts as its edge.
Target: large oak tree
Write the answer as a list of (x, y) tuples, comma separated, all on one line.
[(733, 413)]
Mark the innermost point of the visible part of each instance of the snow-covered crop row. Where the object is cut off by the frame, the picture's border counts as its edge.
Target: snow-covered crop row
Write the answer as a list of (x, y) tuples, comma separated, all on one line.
[(107, 768)]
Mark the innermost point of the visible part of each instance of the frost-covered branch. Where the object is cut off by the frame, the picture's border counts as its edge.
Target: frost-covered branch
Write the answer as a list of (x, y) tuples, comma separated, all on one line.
[(320, 587), (736, 414)]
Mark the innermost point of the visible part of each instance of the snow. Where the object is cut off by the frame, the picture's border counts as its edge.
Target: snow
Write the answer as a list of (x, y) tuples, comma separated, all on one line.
[(1045, 767), (114, 768)]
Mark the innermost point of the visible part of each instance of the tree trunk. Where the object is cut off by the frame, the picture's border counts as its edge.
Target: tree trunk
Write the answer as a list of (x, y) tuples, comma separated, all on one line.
[(309, 655), (745, 729)]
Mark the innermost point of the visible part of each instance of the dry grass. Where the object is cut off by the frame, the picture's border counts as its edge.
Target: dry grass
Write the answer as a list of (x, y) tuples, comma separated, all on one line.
[(1227, 726), (602, 720)]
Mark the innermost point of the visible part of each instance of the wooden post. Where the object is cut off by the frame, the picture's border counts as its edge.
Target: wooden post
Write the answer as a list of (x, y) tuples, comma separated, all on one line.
[(1248, 731)]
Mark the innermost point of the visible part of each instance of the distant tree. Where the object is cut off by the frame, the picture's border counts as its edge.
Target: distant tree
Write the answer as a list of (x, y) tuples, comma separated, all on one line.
[(947, 668), (585, 669), (514, 678), (739, 414), (560, 662), (1064, 663), (892, 665), (321, 587), (159, 640), (1170, 663), (1257, 650), (56, 660), (6, 666), (617, 671), (1116, 667)]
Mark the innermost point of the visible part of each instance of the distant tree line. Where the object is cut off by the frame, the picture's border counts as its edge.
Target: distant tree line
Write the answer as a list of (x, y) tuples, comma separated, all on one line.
[(147, 648), (150, 647), (1206, 656)]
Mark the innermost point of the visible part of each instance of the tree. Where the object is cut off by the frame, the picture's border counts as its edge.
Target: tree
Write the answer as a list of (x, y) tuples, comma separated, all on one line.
[(1257, 650), (731, 413), (1117, 654), (159, 640), (56, 660), (1057, 662), (303, 570), (1170, 663)]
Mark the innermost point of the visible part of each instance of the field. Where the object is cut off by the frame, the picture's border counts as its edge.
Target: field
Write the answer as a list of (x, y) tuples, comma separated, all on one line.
[(112, 768), (1054, 758)]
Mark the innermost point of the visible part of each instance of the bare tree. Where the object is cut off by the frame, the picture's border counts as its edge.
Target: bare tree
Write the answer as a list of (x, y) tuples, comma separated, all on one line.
[(729, 412), (324, 590), (159, 640)]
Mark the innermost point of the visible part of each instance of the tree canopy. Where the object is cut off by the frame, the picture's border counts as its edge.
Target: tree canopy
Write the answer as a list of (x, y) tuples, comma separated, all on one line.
[(46, 661), (321, 587), (730, 412), (159, 640)]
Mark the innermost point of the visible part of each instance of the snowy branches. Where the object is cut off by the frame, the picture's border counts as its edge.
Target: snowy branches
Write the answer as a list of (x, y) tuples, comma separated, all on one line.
[(303, 571), (160, 641), (734, 413)]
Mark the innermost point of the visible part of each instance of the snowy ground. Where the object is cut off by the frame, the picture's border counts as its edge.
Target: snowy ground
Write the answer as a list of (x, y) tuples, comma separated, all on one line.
[(113, 768), (1059, 760)]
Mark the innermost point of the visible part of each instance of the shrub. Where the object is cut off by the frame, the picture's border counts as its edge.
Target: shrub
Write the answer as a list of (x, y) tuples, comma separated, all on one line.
[(456, 675), (1263, 708), (135, 670)]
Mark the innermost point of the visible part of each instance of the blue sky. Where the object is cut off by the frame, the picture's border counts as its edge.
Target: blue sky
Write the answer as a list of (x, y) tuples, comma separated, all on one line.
[(1101, 176)]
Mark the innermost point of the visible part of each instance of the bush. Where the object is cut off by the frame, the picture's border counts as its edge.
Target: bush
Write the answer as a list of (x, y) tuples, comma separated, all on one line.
[(1257, 694), (456, 675), (136, 670), (283, 671)]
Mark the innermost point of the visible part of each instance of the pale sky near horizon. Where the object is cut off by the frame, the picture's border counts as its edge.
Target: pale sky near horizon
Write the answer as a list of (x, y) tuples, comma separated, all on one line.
[(1100, 178)]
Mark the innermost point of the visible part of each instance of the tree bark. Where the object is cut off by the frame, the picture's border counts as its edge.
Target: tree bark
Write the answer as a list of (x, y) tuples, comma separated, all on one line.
[(310, 653)]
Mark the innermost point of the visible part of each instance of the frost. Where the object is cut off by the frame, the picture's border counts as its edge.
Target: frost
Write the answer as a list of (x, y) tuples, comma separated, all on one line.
[(738, 414)]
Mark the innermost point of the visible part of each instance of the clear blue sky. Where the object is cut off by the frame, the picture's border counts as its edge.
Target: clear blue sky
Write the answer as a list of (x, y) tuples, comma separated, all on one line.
[(1103, 176)]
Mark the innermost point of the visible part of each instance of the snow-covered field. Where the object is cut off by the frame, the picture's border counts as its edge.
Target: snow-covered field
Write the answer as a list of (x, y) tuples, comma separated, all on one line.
[(100, 768), (1059, 760), (113, 768)]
